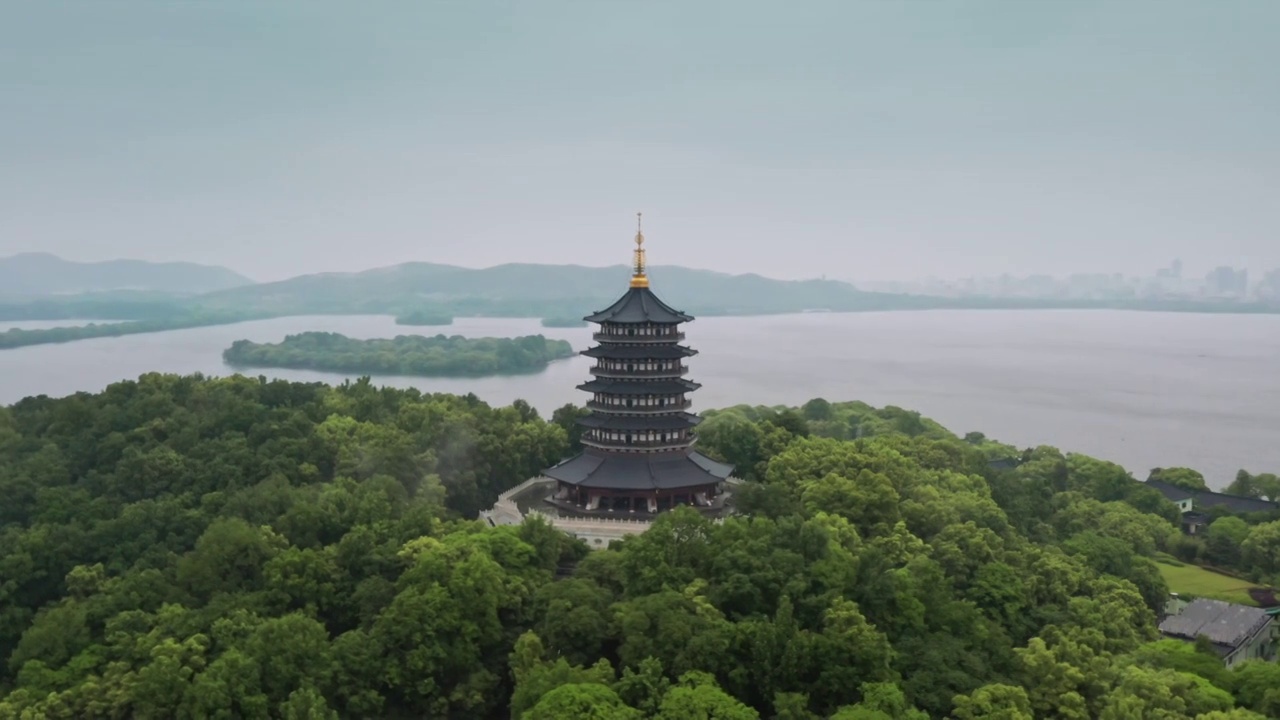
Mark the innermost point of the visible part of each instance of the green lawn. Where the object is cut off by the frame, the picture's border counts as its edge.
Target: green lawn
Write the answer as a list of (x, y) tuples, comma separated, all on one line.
[(1192, 580)]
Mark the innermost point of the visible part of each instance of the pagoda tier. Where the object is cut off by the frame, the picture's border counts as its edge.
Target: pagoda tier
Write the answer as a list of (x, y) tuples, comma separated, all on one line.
[(638, 403), (614, 351), (638, 385), (677, 421), (639, 436), (639, 306)]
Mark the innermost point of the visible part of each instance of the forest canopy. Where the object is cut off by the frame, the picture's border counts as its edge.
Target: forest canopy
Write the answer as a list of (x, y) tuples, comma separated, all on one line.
[(183, 547), (418, 355)]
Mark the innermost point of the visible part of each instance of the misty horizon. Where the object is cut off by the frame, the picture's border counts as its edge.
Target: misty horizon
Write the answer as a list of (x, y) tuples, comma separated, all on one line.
[(854, 141), (623, 268)]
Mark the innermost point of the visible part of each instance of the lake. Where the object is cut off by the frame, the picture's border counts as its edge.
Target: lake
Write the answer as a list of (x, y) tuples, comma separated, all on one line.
[(1140, 389)]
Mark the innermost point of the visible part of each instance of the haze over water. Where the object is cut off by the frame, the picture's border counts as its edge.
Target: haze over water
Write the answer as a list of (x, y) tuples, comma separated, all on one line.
[(1141, 389)]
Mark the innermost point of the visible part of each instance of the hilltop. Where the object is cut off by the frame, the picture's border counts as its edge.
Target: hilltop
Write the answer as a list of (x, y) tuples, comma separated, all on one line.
[(199, 547), (43, 274)]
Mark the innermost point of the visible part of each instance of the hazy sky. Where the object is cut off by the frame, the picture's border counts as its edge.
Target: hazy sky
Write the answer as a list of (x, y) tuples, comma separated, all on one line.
[(856, 139)]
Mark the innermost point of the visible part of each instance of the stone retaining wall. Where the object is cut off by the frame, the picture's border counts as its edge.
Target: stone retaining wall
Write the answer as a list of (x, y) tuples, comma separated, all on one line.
[(598, 532)]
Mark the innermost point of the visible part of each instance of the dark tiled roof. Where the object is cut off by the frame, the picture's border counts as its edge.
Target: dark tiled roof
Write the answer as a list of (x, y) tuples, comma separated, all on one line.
[(1234, 503), (1225, 624), (640, 471), (1203, 499), (639, 305), (679, 421), (639, 387), (1173, 492), (715, 467), (639, 352), (1004, 463)]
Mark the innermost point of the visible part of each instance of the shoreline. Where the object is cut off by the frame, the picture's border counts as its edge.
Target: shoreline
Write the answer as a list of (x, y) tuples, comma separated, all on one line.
[(13, 338)]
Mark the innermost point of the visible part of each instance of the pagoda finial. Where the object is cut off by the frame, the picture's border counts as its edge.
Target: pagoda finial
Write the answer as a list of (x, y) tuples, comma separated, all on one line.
[(638, 278)]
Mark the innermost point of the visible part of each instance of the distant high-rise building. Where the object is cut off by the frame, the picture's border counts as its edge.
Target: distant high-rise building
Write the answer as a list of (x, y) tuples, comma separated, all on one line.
[(1227, 281), (1269, 287), (1174, 271)]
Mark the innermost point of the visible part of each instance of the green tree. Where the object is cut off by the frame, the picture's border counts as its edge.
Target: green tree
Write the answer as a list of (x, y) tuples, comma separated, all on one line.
[(535, 676), (1256, 685), (567, 417), (994, 702), (306, 703), (575, 618), (1180, 476), (1161, 695), (1266, 485), (880, 701), (644, 686), (1223, 539), (588, 701), (697, 697), (1261, 550)]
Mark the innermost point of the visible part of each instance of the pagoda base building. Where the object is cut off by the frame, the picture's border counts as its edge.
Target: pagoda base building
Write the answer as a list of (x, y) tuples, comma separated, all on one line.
[(595, 481), (638, 458)]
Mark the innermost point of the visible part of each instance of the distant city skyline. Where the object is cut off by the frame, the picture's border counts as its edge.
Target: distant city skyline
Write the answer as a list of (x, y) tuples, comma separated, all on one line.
[(858, 140), (1190, 273)]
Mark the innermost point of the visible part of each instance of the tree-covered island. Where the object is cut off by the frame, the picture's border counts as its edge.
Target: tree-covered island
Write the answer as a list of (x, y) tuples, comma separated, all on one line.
[(438, 356), (563, 321), (424, 318)]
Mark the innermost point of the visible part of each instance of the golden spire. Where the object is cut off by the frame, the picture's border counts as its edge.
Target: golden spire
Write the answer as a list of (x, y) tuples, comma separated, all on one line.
[(638, 278)]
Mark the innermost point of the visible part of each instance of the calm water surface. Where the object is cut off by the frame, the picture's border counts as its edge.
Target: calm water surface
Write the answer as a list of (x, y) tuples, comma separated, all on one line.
[(1141, 389)]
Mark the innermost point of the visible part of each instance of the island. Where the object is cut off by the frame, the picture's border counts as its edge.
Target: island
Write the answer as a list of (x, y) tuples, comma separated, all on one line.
[(416, 355), (563, 322), (16, 337), (425, 318)]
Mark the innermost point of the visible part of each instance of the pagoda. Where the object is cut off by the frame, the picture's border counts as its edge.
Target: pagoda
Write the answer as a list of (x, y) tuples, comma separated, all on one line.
[(638, 439)]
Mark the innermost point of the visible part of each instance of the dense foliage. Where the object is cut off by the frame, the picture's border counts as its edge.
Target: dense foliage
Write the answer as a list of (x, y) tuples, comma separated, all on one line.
[(191, 548), (403, 355)]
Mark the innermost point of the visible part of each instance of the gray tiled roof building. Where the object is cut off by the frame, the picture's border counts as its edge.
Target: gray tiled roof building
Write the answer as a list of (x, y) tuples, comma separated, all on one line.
[(1237, 632)]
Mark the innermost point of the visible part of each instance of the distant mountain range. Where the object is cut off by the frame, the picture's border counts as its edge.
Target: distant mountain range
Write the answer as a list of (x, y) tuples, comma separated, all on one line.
[(42, 274), (43, 287), (540, 291)]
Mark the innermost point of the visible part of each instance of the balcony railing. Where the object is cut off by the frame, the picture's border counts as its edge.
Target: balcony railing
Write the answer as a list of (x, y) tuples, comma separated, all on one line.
[(640, 409), (638, 339), (625, 374), (645, 445)]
